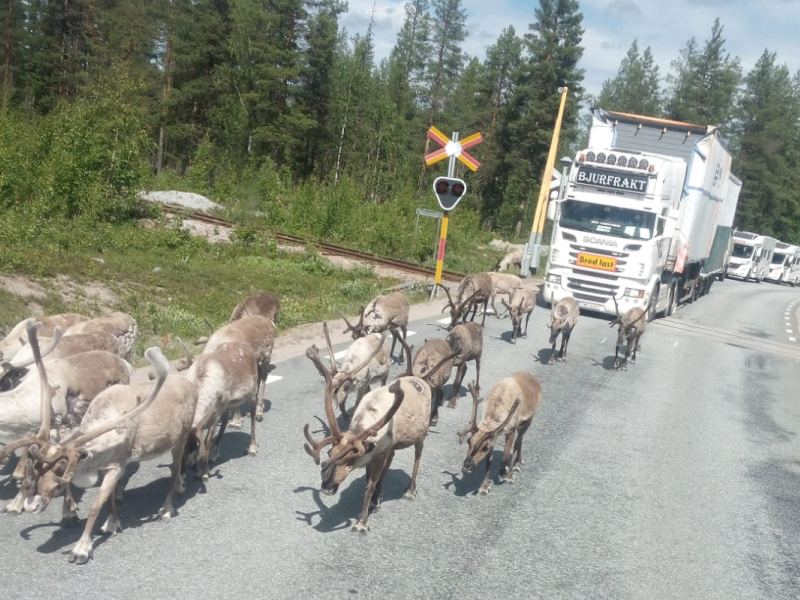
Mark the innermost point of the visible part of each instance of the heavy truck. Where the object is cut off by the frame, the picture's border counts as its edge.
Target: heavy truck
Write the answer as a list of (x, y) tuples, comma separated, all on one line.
[(646, 216)]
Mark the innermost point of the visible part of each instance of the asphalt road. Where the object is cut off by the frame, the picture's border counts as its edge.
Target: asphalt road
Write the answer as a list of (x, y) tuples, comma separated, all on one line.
[(679, 478)]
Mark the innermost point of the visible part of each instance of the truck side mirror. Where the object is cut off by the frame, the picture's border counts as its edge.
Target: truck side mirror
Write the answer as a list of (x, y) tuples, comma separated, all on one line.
[(552, 206)]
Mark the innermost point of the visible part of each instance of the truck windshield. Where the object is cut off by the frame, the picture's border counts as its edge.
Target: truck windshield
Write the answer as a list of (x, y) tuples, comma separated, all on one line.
[(742, 251), (777, 259), (607, 220)]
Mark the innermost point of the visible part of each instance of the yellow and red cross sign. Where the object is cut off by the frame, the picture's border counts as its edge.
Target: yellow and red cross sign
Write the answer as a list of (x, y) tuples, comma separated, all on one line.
[(451, 148)]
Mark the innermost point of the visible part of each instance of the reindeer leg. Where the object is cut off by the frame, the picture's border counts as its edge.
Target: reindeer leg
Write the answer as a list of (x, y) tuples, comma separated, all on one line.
[(411, 492), (252, 449), (517, 462), (391, 351), (377, 495), (486, 486), (438, 397), (460, 372), (259, 413), (16, 506), (214, 452), (82, 550), (485, 308), (375, 469), (236, 421), (112, 526), (168, 511), (526, 325), (477, 374), (552, 360), (69, 510), (19, 470), (505, 470), (565, 337)]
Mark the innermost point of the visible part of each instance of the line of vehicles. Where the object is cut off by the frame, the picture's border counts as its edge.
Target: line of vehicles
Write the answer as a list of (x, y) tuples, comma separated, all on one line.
[(646, 220)]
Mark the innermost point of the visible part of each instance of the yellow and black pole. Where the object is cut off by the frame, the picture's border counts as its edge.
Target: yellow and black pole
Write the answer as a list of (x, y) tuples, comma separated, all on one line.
[(530, 260)]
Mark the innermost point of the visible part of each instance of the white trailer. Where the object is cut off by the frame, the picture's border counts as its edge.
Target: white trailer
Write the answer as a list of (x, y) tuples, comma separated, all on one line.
[(751, 256), (646, 218), (785, 265)]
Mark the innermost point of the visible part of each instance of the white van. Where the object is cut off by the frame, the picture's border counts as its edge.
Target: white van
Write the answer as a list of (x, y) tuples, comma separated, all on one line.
[(751, 256), (785, 266)]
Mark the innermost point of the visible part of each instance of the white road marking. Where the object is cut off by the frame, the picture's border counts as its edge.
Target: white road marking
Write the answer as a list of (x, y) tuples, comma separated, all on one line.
[(674, 346), (337, 356), (787, 331), (270, 379), (408, 334), (603, 342), (791, 339), (446, 321)]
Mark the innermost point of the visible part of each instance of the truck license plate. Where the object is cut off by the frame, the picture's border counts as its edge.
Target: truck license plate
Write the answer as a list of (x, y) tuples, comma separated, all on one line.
[(590, 306), (592, 261)]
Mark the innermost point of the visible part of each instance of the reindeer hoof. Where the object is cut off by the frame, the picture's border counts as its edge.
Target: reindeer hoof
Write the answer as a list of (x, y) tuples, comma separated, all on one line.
[(551, 362), (451, 404), (434, 420), (112, 526), (360, 527), (80, 553), (252, 449), (484, 490), (410, 494), (235, 424), (165, 515)]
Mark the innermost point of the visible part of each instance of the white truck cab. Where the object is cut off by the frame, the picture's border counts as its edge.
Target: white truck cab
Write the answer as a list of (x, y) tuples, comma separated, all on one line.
[(751, 257)]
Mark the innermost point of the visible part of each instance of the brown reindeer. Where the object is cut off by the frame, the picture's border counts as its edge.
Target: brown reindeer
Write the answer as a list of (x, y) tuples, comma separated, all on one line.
[(510, 407), (522, 304), (563, 318), (631, 328), (473, 291), (466, 340)]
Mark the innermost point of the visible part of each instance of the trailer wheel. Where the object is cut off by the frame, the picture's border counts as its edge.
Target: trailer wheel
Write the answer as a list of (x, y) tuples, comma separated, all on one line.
[(672, 300), (651, 305)]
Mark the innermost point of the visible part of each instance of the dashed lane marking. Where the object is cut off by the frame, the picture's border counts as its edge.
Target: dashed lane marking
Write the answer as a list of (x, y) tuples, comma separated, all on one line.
[(270, 379), (445, 321)]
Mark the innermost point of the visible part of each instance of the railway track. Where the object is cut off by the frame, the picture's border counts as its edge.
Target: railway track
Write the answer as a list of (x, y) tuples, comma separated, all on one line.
[(324, 248)]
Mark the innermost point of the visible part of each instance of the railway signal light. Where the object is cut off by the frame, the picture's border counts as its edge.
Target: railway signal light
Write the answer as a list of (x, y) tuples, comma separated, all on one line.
[(449, 191)]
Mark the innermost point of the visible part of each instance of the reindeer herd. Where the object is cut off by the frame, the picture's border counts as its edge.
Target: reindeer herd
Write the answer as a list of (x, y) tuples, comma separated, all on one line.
[(76, 419)]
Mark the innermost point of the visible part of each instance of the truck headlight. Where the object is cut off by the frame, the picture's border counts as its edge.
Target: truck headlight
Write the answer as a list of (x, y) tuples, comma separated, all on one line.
[(631, 293), (554, 278)]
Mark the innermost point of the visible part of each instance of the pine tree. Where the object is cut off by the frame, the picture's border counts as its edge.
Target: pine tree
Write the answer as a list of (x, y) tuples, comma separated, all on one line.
[(768, 131), (554, 48), (703, 88), (409, 57), (636, 87)]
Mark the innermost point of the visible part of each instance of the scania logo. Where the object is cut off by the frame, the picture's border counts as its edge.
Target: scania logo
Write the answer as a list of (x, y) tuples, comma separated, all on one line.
[(593, 240)]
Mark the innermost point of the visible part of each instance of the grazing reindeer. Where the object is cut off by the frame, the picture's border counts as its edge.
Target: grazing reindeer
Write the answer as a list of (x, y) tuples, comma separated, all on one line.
[(522, 304), (427, 357), (563, 318), (11, 372), (16, 338), (388, 419), (510, 407), (383, 313), (466, 340), (259, 333), (503, 284), (511, 259), (473, 291), (118, 429), (122, 326), (631, 327), (347, 377), (224, 378), (264, 304)]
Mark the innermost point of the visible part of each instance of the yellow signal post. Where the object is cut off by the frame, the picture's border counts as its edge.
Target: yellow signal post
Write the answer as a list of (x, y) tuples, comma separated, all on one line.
[(530, 261)]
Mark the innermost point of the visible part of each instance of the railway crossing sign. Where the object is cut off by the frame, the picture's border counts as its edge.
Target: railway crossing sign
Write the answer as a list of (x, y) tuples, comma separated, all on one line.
[(453, 148), (449, 191)]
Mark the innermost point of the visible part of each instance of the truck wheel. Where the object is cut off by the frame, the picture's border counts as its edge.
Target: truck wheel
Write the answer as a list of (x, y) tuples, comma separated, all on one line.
[(651, 305), (672, 300)]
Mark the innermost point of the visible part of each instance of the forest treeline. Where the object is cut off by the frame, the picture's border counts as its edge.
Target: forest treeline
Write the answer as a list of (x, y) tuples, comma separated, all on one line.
[(264, 101)]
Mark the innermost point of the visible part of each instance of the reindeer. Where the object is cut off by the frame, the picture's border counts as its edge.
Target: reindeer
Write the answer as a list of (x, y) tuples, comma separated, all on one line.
[(77, 380), (511, 259), (522, 304), (118, 429), (563, 318), (503, 284), (388, 419), (427, 357), (631, 327), (383, 313), (16, 338), (259, 333), (122, 326), (510, 407), (466, 340), (11, 371), (473, 291), (264, 304), (347, 377), (224, 378)]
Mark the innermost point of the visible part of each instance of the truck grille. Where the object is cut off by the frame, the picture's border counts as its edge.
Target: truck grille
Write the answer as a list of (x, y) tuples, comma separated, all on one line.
[(582, 288)]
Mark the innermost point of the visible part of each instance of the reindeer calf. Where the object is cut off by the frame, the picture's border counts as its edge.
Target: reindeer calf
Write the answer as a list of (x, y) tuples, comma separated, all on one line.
[(383, 313), (522, 304), (511, 259), (509, 408), (503, 284), (427, 357), (263, 304), (631, 328), (466, 340), (563, 318)]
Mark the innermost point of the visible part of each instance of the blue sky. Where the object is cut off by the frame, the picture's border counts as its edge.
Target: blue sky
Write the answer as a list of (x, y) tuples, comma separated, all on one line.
[(751, 26)]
